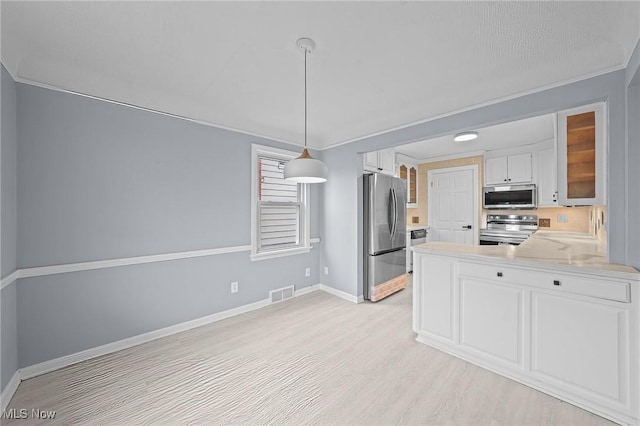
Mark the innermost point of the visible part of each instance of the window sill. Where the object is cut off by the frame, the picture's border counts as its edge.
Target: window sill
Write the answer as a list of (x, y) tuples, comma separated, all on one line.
[(279, 253)]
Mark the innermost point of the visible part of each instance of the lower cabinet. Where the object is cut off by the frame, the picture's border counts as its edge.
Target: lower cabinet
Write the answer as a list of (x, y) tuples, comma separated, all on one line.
[(491, 320), (581, 345), (436, 300), (575, 336)]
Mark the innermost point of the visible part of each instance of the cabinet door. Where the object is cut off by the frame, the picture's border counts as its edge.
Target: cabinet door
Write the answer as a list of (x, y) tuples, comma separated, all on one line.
[(495, 170), (387, 161), (412, 187), (581, 155), (433, 297), (371, 161), (519, 168), (581, 346), (547, 181), (491, 320)]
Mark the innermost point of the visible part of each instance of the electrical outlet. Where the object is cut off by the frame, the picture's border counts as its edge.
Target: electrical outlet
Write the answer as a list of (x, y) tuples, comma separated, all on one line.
[(307, 272), (415, 219), (544, 223), (326, 270), (234, 287)]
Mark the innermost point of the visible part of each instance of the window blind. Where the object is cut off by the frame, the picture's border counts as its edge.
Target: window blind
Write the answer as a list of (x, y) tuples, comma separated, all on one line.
[(279, 207)]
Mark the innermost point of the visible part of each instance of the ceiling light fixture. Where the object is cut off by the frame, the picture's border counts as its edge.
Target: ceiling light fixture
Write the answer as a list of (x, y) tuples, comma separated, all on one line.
[(305, 169), (465, 136)]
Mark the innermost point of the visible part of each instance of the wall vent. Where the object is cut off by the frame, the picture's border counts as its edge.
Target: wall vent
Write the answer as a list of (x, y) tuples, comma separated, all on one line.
[(280, 294)]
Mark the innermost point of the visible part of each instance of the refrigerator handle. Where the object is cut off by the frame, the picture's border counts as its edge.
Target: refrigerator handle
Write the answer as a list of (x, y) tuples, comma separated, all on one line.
[(395, 213), (390, 213)]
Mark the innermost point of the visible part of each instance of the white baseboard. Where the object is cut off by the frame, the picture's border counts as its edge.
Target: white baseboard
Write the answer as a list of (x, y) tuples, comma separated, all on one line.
[(57, 363), (305, 290), (341, 294), (8, 391), (54, 364)]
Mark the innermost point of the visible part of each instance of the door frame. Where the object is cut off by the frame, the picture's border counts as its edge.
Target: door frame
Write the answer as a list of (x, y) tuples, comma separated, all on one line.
[(476, 207)]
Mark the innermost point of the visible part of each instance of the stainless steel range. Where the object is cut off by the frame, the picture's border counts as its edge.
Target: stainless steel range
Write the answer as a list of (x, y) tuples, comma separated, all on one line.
[(508, 229)]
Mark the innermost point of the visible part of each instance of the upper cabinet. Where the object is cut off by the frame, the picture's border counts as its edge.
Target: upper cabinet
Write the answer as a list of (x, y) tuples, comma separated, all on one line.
[(581, 155), (409, 171), (547, 180), (382, 161), (516, 168)]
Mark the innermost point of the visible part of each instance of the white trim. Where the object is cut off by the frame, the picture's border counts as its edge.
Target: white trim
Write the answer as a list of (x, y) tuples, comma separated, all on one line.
[(65, 361), (54, 364), (153, 111), (10, 390), (304, 214), (474, 107), (10, 278), (452, 157), (306, 290), (341, 294), (265, 255), (124, 261)]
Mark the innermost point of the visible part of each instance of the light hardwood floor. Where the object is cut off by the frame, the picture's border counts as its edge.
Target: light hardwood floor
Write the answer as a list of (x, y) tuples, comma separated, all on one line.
[(316, 359)]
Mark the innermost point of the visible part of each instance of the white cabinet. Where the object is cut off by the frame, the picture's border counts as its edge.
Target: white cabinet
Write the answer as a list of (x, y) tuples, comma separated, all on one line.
[(516, 168), (582, 155), (574, 335), (547, 180), (491, 320), (382, 161), (436, 300), (581, 344)]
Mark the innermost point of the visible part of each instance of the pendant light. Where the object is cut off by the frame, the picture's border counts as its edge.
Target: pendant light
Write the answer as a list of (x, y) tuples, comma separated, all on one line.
[(305, 169)]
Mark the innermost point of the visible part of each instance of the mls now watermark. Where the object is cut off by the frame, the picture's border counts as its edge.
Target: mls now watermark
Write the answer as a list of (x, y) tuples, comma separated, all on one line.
[(28, 414)]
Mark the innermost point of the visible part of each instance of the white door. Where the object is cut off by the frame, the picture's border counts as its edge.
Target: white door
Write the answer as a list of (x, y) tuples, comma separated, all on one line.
[(451, 205)]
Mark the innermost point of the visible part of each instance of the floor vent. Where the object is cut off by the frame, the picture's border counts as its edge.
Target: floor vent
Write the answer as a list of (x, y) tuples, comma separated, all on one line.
[(280, 294)]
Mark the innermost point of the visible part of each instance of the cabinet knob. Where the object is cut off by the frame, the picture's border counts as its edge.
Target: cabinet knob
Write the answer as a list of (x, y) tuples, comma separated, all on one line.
[(556, 282), (499, 274)]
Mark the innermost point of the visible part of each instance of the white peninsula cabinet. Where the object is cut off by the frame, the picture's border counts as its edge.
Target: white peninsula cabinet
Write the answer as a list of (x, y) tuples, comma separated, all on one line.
[(568, 331)]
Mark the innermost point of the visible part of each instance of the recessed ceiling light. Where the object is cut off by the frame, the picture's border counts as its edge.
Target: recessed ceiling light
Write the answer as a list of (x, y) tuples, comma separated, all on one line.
[(465, 136)]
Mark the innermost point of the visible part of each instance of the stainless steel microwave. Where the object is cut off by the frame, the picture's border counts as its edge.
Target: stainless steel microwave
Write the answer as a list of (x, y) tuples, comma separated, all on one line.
[(510, 197)]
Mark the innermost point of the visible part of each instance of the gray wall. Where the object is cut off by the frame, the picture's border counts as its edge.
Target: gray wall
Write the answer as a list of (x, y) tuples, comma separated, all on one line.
[(343, 197), (633, 158), (98, 181), (8, 220)]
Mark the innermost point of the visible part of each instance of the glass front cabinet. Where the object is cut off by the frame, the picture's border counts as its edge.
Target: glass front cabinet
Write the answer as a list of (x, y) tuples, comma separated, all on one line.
[(409, 172), (582, 136)]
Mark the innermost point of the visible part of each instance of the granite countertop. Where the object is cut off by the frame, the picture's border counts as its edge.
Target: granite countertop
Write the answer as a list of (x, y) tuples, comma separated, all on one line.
[(567, 250), (414, 227)]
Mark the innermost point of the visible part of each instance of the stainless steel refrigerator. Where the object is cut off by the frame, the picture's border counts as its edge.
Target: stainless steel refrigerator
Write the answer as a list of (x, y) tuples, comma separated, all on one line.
[(385, 222)]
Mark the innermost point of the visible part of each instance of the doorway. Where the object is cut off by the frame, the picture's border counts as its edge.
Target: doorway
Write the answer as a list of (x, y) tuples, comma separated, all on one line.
[(452, 204)]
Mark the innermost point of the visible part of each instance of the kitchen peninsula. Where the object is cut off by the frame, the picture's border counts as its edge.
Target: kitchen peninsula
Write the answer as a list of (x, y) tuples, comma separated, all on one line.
[(551, 313)]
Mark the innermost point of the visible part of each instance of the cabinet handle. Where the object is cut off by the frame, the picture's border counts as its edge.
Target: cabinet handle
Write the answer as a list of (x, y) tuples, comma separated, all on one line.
[(499, 274), (380, 168), (505, 180), (556, 282)]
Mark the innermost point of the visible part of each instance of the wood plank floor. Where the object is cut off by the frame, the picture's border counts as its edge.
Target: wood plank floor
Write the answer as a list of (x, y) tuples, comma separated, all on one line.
[(316, 359)]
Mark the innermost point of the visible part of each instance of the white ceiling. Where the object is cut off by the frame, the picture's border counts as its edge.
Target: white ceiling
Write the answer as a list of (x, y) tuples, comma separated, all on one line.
[(378, 65), (508, 135)]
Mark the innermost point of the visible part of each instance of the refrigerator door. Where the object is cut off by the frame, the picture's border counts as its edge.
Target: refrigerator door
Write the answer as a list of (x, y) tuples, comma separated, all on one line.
[(385, 213), (382, 268)]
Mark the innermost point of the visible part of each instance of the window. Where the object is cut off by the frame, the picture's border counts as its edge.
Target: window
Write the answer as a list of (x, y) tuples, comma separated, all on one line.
[(279, 210)]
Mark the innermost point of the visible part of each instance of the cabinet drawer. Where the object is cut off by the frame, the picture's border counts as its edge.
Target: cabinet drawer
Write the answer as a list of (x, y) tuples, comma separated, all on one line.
[(575, 284)]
